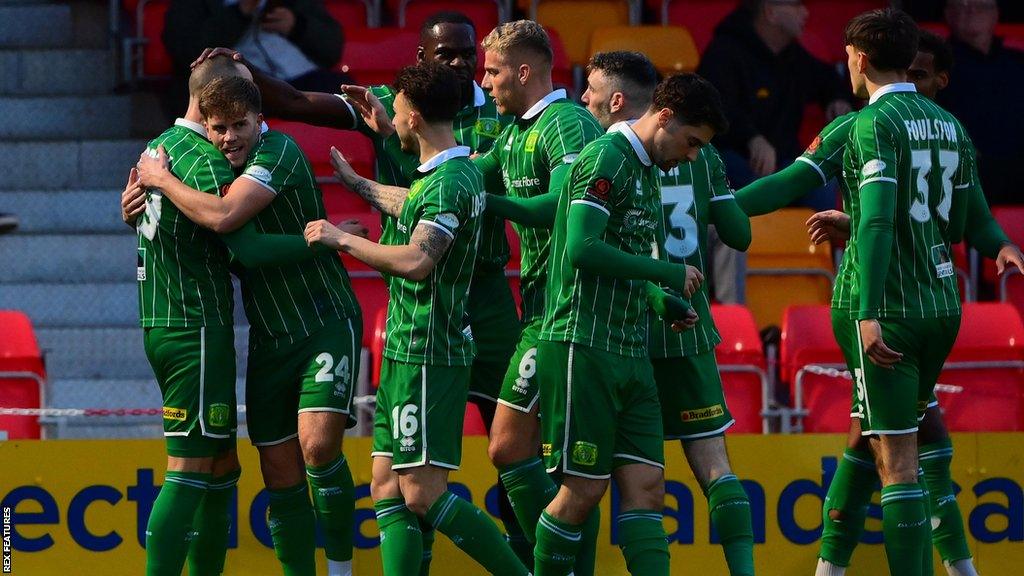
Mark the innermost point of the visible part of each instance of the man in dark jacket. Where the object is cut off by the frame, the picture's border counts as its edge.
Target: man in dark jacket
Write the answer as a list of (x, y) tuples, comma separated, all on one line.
[(293, 40), (766, 79), (985, 95)]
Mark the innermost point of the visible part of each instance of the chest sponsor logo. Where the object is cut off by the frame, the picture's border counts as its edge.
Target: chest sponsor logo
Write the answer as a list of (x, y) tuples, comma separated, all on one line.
[(178, 414), (488, 127), (531, 142), (638, 218), (706, 413)]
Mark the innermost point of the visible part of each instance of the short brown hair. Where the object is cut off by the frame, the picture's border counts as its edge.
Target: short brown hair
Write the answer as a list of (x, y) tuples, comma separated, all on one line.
[(519, 35), (888, 37), (693, 100), (212, 69), (230, 98), (433, 89)]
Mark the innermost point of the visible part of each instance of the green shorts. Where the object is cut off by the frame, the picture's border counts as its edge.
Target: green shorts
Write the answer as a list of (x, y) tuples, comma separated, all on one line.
[(519, 390), (494, 327), (692, 401), (420, 409), (600, 409), (195, 368), (893, 401), (316, 373)]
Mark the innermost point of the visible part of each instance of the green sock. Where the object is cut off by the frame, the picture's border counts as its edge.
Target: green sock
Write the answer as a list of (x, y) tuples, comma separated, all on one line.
[(586, 557), (927, 564), (557, 545), (730, 514), (903, 520), (642, 539), (213, 525), (401, 540), (947, 522), (293, 529), (473, 532), (427, 532), (517, 540), (169, 529), (530, 489), (850, 493), (335, 505)]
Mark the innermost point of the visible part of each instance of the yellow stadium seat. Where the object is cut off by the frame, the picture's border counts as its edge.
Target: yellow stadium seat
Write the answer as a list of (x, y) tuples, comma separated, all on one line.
[(575, 21), (670, 48), (783, 267)]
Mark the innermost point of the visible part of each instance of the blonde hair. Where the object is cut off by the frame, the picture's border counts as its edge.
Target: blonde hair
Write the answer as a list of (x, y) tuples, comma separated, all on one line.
[(519, 35)]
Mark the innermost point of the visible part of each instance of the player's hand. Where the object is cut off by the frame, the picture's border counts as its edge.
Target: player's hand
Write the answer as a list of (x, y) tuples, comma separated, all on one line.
[(686, 323), (215, 52), (828, 226), (874, 346), (354, 227), (1009, 255), (343, 171), (762, 156), (152, 169), (694, 278), (370, 108), (323, 233), (280, 20), (133, 199)]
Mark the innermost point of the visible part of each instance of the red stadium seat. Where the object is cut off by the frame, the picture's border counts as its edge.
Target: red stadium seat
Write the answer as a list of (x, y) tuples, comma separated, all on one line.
[(21, 375), (316, 143), (150, 25), (372, 293), (375, 55), (1011, 289), (575, 20), (807, 340), (561, 68), (741, 364), (699, 16), (485, 14), (989, 331), (351, 14), (515, 249), (823, 33), (473, 422), (811, 124)]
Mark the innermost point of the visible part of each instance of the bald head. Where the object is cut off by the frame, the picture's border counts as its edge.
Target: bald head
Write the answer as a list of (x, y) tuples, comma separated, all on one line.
[(214, 69)]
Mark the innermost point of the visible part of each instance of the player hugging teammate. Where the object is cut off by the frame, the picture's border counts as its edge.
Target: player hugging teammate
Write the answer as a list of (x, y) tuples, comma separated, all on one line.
[(615, 342)]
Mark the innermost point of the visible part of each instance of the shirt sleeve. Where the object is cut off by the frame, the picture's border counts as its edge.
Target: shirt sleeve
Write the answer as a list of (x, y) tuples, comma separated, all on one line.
[(564, 138), (825, 153), (732, 223), (440, 208), (876, 145), (592, 183), (273, 163)]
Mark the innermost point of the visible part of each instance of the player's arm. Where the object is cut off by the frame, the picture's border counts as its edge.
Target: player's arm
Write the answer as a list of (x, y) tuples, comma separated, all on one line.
[(414, 261), (254, 249), (776, 191), (133, 199), (245, 197), (537, 211), (732, 224), (386, 199), (282, 100)]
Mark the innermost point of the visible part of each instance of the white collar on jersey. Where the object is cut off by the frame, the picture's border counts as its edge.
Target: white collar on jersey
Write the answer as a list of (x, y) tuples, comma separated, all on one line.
[(539, 107), (479, 98), (892, 88), (199, 129), (615, 127), (193, 126), (627, 131), (442, 157)]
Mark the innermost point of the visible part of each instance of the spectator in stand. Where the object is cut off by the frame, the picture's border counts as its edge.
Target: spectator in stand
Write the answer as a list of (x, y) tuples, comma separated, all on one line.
[(766, 79), (985, 95), (294, 40)]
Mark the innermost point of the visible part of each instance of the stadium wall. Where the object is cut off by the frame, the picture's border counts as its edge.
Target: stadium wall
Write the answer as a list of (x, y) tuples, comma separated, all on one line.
[(81, 507)]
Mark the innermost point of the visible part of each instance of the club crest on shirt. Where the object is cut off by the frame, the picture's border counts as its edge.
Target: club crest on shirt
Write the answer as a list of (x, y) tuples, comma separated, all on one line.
[(488, 127), (531, 141)]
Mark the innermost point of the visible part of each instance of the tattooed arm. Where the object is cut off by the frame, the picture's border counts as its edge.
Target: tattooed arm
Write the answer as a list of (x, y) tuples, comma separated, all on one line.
[(414, 261), (387, 199)]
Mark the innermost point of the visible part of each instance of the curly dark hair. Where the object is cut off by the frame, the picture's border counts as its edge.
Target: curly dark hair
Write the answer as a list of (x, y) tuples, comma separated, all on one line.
[(693, 100), (230, 98), (433, 89), (632, 69), (888, 37)]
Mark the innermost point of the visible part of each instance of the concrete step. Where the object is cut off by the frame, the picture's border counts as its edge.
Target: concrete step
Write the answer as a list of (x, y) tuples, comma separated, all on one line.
[(65, 117), (74, 211), (68, 259), (108, 353), (68, 164), (35, 25), (56, 72)]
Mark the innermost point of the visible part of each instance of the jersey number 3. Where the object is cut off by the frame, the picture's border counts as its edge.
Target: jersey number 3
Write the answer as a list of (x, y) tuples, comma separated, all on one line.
[(681, 238), (921, 160), (150, 220)]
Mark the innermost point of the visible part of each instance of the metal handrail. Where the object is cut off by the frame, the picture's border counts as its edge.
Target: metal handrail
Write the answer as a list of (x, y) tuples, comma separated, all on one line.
[(1003, 281), (39, 380), (766, 410)]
